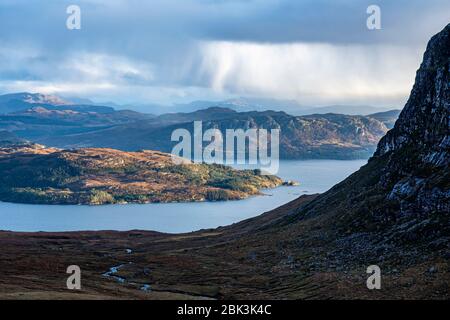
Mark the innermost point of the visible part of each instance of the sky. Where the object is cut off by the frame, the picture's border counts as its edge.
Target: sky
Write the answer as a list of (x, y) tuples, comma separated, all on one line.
[(315, 52)]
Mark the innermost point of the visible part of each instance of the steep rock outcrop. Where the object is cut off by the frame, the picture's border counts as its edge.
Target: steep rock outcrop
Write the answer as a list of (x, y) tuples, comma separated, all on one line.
[(401, 197), (418, 147)]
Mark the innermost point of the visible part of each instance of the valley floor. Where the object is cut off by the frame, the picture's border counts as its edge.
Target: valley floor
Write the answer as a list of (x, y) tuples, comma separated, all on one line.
[(240, 261)]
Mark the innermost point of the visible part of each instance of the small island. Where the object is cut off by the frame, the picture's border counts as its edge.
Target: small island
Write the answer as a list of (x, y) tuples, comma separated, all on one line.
[(35, 174)]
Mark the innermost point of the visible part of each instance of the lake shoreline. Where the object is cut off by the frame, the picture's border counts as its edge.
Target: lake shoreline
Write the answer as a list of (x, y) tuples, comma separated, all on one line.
[(259, 194), (177, 217)]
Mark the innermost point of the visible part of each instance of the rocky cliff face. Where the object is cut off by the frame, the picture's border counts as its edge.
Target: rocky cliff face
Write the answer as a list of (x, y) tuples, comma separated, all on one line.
[(424, 121), (418, 147)]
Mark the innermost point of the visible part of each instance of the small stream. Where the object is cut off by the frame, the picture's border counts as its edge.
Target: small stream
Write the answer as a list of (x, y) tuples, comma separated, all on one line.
[(113, 270), (112, 274)]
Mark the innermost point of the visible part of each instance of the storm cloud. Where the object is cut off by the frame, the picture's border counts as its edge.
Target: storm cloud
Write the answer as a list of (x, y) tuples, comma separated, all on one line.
[(166, 51)]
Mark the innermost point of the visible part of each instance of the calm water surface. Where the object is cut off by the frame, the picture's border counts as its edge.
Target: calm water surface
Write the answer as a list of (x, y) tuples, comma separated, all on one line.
[(314, 176)]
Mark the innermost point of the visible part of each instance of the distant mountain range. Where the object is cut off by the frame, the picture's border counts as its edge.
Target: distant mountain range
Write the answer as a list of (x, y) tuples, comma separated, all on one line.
[(387, 117), (22, 101), (53, 121), (245, 104)]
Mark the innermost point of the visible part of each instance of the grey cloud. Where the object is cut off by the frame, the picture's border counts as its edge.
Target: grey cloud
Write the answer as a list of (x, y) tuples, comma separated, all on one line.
[(166, 33)]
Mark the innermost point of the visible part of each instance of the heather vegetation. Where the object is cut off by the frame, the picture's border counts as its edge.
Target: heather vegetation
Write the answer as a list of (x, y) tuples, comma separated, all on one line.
[(32, 173)]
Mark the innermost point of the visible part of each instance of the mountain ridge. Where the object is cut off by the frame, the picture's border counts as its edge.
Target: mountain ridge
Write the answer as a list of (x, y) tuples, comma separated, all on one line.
[(50, 120), (315, 136)]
